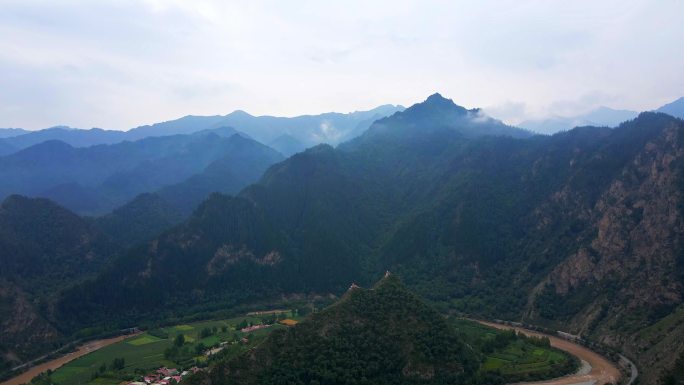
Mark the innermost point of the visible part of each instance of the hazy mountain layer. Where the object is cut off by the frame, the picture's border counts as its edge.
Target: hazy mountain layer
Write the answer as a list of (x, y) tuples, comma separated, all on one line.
[(97, 179), (602, 116), (10, 132), (675, 108), (287, 135)]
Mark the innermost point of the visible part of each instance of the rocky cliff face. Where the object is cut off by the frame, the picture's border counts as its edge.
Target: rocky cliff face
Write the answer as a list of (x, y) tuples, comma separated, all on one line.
[(625, 273)]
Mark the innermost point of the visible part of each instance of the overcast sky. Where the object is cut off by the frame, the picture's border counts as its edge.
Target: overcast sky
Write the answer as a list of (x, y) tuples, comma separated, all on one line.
[(120, 64)]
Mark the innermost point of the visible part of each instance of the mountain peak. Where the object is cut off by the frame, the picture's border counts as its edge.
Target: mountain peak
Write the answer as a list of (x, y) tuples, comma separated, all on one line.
[(437, 97), (435, 105), (53, 145), (240, 114), (437, 115)]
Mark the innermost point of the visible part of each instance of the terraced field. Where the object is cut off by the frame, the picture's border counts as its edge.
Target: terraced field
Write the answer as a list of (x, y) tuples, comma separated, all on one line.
[(516, 359), (519, 358), (598, 369)]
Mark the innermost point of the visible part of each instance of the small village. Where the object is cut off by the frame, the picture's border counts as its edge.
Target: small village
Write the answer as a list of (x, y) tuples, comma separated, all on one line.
[(165, 376), (173, 376)]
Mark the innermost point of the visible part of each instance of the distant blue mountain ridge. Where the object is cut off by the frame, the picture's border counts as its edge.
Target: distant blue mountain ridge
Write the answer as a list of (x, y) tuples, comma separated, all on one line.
[(286, 135), (601, 116)]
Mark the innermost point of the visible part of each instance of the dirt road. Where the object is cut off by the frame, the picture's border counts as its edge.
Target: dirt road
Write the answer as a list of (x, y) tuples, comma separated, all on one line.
[(602, 371), (89, 347)]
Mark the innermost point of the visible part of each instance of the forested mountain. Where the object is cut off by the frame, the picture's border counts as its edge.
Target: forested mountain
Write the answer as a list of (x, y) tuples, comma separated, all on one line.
[(41, 239), (382, 335), (323, 211), (148, 214), (139, 220), (244, 163), (43, 248), (96, 179)]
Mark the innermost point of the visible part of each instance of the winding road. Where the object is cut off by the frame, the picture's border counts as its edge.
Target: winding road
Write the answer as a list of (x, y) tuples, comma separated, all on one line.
[(596, 369)]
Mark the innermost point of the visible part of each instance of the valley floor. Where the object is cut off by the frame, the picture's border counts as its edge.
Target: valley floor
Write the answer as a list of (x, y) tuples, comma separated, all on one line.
[(595, 370), (82, 350), (602, 370)]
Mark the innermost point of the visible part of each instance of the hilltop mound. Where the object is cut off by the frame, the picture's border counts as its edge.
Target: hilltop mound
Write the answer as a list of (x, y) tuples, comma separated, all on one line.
[(383, 335)]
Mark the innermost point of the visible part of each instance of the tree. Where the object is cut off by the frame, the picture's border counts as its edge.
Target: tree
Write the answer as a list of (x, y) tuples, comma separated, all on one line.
[(179, 340), (199, 348), (118, 364)]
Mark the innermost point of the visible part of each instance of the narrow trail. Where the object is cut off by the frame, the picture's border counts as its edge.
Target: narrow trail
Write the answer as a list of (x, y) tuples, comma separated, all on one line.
[(596, 370), (89, 347)]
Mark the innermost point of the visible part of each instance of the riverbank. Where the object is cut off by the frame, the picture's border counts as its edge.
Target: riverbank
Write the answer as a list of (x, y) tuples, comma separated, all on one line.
[(602, 370), (89, 347)]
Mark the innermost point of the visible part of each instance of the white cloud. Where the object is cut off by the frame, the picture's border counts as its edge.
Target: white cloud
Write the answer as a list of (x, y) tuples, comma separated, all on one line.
[(118, 64)]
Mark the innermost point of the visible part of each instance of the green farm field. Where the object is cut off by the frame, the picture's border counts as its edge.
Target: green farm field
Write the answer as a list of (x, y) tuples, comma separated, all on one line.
[(144, 353), (515, 358)]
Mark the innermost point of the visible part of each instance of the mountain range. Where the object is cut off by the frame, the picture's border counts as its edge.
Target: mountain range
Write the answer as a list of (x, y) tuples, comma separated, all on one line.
[(579, 231), (601, 116), (287, 135), (10, 132), (96, 179)]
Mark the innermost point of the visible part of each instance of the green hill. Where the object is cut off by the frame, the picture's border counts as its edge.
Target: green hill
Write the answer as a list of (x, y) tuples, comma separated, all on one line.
[(383, 335)]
